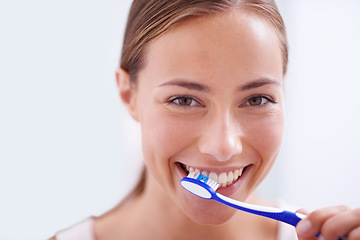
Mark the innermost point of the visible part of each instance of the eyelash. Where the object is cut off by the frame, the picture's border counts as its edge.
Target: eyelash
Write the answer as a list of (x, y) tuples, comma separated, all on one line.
[(268, 99), (196, 103), (176, 100)]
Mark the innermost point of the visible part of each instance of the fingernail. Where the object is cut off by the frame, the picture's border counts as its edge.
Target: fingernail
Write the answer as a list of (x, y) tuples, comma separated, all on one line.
[(303, 227), (321, 238)]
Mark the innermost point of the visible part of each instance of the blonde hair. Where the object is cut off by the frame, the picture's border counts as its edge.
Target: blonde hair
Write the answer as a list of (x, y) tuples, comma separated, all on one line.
[(149, 19)]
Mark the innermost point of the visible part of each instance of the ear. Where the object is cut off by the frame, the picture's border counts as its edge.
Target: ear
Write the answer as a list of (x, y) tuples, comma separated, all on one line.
[(126, 92)]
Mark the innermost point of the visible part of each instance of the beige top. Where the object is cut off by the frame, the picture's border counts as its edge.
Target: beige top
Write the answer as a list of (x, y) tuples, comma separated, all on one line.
[(84, 231)]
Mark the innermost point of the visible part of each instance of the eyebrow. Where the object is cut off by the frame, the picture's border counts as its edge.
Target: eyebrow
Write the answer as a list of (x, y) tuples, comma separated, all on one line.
[(258, 83), (186, 84), (200, 87)]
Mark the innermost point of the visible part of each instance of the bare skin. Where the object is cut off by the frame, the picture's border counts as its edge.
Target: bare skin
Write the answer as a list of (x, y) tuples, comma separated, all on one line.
[(219, 63), (210, 97), (123, 223)]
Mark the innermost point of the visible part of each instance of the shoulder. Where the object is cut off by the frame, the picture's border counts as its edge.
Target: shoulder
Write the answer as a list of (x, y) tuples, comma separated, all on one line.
[(82, 230), (286, 232), (121, 222)]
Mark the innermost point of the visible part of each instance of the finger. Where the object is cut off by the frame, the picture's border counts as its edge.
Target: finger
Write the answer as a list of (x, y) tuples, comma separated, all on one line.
[(354, 234), (303, 211), (312, 224), (340, 225), (307, 238)]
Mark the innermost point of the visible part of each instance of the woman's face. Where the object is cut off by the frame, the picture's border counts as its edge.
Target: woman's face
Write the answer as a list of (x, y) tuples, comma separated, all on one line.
[(210, 99)]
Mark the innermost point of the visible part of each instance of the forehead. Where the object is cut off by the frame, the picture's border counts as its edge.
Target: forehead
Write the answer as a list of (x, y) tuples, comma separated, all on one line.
[(232, 44)]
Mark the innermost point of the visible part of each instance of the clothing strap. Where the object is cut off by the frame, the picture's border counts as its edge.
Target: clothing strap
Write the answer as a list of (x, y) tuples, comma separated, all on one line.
[(82, 230)]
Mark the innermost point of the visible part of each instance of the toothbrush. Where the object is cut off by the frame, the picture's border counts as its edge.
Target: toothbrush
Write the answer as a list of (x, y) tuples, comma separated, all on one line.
[(205, 187)]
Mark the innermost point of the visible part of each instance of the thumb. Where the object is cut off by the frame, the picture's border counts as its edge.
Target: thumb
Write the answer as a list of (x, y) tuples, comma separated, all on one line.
[(303, 226)]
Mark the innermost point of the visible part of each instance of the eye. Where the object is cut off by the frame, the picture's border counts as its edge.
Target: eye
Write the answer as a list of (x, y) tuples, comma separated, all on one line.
[(259, 101), (184, 101), (256, 101)]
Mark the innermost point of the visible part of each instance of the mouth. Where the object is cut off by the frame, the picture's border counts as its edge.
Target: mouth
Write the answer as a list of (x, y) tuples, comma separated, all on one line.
[(224, 179)]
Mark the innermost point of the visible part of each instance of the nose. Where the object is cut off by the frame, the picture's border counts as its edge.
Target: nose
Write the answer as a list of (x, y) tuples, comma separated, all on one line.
[(221, 138)]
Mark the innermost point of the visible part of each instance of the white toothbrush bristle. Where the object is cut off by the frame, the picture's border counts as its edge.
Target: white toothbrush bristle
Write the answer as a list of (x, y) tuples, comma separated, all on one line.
[(191, 175), (213, 184)]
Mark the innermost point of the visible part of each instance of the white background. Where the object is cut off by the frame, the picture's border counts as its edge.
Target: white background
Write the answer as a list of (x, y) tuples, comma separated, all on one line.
[(68, 149)]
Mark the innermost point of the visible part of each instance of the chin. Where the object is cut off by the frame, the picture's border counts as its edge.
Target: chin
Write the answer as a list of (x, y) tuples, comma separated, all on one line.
[(207, 212)]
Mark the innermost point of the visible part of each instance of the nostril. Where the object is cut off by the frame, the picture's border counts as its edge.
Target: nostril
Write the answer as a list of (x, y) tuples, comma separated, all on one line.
[(222, 149), (221, 137)]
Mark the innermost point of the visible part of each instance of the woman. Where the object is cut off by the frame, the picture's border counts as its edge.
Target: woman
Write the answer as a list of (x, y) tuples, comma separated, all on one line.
[(205, 81)]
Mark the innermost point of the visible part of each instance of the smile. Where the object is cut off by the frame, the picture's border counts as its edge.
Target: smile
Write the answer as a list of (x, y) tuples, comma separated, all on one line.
[(224, 178)]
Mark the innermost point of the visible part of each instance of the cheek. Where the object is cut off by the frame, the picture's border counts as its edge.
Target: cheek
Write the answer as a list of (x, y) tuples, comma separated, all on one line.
[(266, 138), (269, 136), (163, 136)]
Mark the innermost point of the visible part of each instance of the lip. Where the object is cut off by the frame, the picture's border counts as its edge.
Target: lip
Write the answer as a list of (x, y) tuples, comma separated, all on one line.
[(216, 170), (228, 190)]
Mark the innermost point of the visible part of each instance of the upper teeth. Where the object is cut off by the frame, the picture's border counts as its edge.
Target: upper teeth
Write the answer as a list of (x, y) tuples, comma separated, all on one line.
[(224, 179)]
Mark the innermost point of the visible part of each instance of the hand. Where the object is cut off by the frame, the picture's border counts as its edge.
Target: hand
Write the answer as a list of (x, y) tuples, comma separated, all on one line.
[(331, 222)]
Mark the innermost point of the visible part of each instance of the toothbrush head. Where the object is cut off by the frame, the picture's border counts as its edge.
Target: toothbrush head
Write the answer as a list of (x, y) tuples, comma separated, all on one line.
[(200, 185)]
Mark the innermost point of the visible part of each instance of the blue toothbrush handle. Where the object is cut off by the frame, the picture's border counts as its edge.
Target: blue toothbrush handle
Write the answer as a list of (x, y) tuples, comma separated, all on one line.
[(269, 212), (284, 216)]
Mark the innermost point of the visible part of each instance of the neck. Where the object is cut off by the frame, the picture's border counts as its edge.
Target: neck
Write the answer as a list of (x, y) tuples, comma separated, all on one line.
[(167, 219), (154, 214)]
